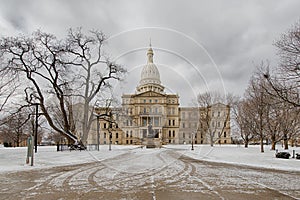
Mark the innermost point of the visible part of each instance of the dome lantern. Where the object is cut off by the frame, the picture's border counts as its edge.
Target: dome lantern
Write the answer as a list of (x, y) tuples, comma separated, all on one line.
[(150, 77)]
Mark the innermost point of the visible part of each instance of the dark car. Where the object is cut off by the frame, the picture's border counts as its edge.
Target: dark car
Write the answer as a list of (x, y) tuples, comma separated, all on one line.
[(285, 155)]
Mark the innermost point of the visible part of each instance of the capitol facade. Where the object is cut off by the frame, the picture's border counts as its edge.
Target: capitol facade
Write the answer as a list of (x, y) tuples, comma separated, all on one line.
[(152, 113)]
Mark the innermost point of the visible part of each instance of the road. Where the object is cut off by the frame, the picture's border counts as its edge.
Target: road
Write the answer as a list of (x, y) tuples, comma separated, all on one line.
[(151, 174)]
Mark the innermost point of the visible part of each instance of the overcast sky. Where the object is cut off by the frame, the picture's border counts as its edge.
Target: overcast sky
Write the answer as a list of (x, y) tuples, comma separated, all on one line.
[(198, 45)]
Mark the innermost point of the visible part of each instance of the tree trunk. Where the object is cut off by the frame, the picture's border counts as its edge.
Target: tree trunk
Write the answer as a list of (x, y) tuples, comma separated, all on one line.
[(273, 142), (286, 144), (85, 122), (246, 142), (273, 145), (262, 145), (285, 141)]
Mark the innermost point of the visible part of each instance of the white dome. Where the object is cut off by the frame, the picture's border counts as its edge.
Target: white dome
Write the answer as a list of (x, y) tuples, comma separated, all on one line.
[(150, 74), (150, 78)]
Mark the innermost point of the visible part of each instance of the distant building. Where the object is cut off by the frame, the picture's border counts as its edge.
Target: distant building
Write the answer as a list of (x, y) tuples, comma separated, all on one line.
[(152, 112)]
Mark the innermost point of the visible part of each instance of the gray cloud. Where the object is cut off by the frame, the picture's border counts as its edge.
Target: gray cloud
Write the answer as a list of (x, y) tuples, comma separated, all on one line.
[(233, 35)]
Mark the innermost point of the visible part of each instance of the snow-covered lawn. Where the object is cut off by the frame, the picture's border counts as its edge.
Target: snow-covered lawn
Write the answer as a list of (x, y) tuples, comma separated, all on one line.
[(13, 159), (250, 156)]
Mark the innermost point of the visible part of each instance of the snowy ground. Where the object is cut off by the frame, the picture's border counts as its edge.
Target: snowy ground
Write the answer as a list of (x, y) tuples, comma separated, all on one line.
[(13, 159), (131, 172)]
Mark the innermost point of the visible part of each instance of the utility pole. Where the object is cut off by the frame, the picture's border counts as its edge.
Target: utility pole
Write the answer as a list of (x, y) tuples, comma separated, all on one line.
[(36, 127), (109, 129), (98, 130), (192, 141)]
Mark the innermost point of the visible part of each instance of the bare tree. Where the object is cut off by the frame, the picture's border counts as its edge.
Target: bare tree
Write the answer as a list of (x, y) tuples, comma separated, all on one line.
[(95, 71), (289, 124), (286, 83), (16, 128), (243, 120), (50, 68), (207, 101), (37, 60), (8, 86), (258, 99)]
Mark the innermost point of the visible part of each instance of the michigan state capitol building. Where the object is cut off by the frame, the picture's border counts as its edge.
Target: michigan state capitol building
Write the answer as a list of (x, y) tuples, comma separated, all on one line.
[(150, 111)]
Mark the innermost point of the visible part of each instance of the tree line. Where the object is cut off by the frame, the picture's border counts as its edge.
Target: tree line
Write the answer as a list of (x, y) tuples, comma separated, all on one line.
[(55, 74), (269, 111)]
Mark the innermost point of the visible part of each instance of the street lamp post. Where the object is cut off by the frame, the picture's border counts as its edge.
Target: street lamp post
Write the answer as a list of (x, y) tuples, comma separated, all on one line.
[(192, 141), (36, 127), (109, 129), (110, 136), (98, 131)]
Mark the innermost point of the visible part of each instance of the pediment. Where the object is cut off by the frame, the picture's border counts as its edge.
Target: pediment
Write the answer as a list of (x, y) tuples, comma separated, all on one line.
[(150, 94)]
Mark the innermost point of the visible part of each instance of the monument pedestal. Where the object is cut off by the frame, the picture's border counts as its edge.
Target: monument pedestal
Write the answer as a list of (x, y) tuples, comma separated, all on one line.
[(153, 143), (150, 143)]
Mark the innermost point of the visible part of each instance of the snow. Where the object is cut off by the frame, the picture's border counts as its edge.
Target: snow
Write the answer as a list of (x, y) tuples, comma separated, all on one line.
[(251, 156), (13, 159)]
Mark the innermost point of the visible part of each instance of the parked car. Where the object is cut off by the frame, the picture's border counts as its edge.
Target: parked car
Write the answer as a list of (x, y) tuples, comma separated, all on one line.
[(285, 155), (297, 156)]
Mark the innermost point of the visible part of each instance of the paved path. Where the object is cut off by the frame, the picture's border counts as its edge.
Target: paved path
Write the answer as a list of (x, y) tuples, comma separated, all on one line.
[(151, 174)]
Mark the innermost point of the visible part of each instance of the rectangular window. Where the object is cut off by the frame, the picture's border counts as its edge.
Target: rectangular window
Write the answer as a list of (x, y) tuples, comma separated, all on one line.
[(173, 133), (224, 134), (183, 125), (183, 135), (173, 122), (144, 121), (117, 135), (156, 121), (169, 133), (104, 125), (104, 135)]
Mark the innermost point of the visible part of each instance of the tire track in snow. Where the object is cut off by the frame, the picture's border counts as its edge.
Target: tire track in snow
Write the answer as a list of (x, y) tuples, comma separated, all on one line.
[(268, 187)]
